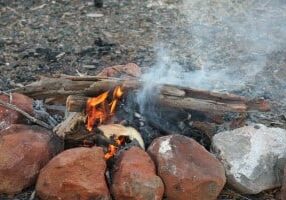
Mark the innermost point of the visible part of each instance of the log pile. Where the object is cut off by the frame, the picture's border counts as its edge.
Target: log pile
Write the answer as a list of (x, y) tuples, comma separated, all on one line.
[(73, 92), (76, 90)]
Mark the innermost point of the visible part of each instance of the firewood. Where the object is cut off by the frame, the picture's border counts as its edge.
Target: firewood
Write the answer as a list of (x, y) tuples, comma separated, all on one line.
[(168, 95), (78, 104), (202, 105), (69, 124)]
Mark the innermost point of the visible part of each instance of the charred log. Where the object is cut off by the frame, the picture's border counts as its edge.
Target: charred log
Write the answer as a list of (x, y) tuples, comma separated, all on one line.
[(169, 95)]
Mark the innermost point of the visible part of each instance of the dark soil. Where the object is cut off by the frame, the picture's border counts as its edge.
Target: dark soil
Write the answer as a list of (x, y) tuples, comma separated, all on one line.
[(45, 37)]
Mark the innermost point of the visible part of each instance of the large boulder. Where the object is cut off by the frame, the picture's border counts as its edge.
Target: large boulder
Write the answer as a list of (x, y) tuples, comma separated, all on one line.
[(24, 150), (74, 174), (135, 177), (187, 169), (8, 116), (254, 157)]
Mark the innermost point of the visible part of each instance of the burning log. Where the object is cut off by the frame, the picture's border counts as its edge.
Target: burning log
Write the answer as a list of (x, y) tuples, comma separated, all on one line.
[(78, 89), (206, 102)]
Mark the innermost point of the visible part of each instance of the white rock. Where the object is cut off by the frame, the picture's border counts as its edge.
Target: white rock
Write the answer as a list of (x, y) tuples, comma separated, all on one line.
[(95, 15), (253, 156)]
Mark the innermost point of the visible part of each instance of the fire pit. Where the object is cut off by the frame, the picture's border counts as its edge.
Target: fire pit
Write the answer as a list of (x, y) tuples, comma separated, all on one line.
[(105, 124)]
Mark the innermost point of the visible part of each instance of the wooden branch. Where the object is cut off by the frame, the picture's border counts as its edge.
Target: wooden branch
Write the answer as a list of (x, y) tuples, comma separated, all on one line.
[(168, 95), (69, 124), (33, 119), (202, 105), (78, 104)]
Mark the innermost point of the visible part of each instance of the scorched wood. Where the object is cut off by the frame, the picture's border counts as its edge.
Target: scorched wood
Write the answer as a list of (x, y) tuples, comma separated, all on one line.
[(168, 95)]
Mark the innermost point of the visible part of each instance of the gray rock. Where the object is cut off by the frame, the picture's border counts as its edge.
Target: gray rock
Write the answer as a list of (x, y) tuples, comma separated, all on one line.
[(253, 156)]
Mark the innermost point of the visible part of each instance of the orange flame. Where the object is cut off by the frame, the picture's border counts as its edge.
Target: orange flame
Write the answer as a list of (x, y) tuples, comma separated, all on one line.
[(112, 149), (99, 111)]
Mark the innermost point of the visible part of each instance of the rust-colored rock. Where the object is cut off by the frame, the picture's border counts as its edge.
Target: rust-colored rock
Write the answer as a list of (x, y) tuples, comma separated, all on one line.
[(129, 69), (74, 174), (8, 116), (24, 150), (135, 177), (187, 169)]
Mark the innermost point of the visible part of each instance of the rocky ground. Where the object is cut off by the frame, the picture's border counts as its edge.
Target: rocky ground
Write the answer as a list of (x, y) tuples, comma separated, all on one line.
[(42, 38)]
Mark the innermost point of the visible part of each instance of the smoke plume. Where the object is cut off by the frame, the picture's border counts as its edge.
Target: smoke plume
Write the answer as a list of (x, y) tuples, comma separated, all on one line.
[(229, 46)]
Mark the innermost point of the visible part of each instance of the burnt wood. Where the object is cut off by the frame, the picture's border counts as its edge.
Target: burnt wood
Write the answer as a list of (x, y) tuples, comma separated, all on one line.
[(75, 90)]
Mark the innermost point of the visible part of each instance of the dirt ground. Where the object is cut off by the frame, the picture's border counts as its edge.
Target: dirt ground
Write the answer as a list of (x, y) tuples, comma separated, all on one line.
[(45, 37)]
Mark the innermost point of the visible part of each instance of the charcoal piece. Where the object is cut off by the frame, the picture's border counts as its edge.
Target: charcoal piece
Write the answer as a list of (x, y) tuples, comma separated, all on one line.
[(98, 3)]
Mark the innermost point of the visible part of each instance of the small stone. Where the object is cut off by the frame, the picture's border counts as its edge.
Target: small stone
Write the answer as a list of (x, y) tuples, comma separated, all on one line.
[(142, 123), (95, 15), (88, 66), (24, 150), (76, 173), (8, 116), (187, 169), (137, 115), (253, 157), (135, 177)]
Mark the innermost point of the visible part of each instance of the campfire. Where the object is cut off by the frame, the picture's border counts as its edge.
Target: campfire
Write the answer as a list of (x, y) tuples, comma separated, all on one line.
[(98, 109), (104, 113)]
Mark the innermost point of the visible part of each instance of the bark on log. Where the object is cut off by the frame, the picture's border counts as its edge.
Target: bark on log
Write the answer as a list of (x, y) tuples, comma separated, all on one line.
[(78, 104), (168, 95)]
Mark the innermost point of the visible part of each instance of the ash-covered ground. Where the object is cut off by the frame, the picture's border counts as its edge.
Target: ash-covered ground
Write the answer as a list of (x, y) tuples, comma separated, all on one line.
[(236, 46)]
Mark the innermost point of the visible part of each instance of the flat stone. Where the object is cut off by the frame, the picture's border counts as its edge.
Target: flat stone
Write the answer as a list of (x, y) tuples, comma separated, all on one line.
[(187, 169), (135, 177), (77, 173), (254, 157)]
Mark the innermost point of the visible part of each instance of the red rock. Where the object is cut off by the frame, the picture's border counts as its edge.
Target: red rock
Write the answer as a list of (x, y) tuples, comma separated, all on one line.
[(74, 174), (187, 169), (8, 116), (24, 150), (129, 69), (135, 177)]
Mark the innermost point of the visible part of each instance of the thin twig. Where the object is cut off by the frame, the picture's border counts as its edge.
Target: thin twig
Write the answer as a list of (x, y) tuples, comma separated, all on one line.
[(33, 119), (5, 93)]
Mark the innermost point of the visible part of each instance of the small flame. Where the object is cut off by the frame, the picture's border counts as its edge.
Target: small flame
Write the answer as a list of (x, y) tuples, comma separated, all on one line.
[(112, 149), (99, 110), (117, 94)]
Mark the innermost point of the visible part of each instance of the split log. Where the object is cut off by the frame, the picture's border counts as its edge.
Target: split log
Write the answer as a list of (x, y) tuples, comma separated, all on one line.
[(78, 104), (168, 95)]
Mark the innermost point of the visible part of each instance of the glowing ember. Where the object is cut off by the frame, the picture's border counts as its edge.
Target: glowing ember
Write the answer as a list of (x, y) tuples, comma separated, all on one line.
[(112, 149), (99, 110)]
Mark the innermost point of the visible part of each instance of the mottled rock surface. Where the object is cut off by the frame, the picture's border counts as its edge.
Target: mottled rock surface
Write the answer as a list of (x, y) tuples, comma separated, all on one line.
[(8, 116), (74, 174), (135, 177), (254, 157), (130, 69), (24, 150), (187, 169)]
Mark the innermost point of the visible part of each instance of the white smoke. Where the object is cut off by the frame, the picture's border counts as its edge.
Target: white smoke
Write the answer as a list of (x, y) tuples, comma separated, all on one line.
[(229, 41)]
